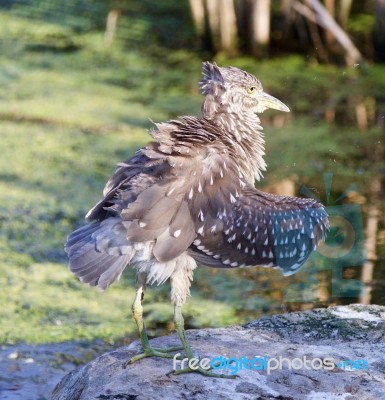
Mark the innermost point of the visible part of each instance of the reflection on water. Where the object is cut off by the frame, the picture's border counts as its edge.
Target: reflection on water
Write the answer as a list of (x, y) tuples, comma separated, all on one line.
[(378, 285), (255, 292)]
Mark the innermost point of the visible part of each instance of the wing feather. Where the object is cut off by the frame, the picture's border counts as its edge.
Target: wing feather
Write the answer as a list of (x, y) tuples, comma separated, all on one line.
[(267, 230)]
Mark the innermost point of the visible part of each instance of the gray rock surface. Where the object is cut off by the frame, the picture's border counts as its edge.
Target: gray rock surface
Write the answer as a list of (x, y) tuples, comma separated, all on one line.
[(340, 333)]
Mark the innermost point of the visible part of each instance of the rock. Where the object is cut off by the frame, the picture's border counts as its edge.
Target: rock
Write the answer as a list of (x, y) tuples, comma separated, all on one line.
[(349, 340)]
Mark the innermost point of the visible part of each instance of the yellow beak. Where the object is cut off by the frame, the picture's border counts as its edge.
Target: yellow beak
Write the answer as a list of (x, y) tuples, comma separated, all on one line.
[(271, 102)]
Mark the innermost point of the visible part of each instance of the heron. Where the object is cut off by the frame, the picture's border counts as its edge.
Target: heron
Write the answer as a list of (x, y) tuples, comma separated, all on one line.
[(188, 198)]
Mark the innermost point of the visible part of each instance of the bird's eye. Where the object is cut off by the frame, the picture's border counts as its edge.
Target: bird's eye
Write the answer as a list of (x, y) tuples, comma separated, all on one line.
[(251, 89)]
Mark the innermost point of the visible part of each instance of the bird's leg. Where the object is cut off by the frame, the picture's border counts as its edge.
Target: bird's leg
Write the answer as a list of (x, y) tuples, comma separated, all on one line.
[(137, 311), (180, 289), (179, 325)]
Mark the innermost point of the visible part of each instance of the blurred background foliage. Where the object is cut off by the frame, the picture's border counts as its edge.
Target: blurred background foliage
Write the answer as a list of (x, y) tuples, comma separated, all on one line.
[(80, 82)]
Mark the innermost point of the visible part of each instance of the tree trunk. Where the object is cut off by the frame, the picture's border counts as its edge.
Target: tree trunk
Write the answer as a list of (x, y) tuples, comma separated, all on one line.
[(379, 31), (212, 9), (371, 231), (329, 37), (316, 12), (260, 26), (242, 8), (111, 24), (316, 38), (227, 26), (344, 12), (375, 210), (197, 8), (288, 13)]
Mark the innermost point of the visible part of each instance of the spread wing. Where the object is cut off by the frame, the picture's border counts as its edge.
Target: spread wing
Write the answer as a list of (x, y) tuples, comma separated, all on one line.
[(264, 229)]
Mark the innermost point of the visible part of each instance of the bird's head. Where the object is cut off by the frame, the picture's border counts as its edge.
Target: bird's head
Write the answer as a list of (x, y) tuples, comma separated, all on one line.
[(231, 90)]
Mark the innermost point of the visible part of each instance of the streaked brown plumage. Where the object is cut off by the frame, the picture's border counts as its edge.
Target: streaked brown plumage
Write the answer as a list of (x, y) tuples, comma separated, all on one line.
[(189, 196)]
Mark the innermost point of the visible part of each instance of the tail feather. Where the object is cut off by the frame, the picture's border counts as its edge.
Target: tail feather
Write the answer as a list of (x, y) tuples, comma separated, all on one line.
[(104, 273), (82, 233), (113, 273), (80, 267), (91, 264)]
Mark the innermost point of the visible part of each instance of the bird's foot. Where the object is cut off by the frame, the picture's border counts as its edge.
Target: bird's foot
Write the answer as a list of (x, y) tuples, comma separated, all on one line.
[(169, 349), (204, 372), (153, 352)]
